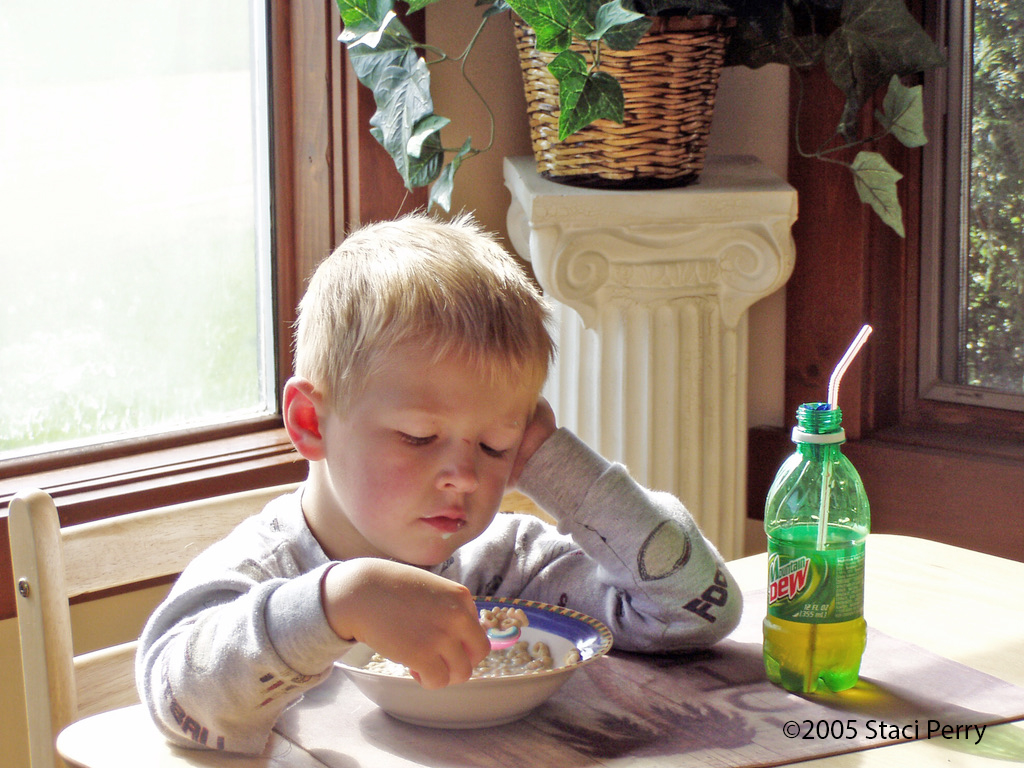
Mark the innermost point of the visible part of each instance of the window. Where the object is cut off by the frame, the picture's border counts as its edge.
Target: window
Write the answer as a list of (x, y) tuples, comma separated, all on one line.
[(973, 261), (326, 175), (136, 218)]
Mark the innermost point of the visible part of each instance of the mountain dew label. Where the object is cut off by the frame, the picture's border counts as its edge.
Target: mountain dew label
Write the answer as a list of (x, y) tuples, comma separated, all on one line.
[(814, 587)]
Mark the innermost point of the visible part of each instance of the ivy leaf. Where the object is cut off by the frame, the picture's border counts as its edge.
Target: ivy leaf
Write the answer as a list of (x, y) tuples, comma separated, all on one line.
[(567, 65), (393, 47), (371, 38), (627, 36), (418, 5), (693, 7), (403, 103), (384, 58), (903, 113), (770, 35), (570, 70), (554, 22), (493, 8), (584, 97), (422, 131), (362, 16), (441, 192), (618, 26), (875, 181), (877, 39)]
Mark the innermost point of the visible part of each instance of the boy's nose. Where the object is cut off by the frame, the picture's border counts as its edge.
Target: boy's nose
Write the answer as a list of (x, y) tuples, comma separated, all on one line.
[(459, 472)]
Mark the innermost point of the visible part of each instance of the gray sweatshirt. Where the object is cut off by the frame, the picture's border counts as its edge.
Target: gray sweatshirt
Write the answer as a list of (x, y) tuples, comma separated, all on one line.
[(242, 634)]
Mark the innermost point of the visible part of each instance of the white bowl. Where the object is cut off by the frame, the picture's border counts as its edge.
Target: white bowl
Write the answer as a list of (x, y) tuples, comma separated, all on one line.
[(483, 702)]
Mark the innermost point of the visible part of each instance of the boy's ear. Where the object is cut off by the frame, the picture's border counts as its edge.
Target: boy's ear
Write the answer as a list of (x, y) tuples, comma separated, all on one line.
[(302, 412)]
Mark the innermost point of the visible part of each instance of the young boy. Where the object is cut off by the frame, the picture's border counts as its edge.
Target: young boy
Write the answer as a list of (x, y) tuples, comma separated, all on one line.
[(421, 350)]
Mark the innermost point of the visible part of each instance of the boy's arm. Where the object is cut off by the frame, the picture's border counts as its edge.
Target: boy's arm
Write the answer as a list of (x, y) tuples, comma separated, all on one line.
[(650, 575), (227, 652)]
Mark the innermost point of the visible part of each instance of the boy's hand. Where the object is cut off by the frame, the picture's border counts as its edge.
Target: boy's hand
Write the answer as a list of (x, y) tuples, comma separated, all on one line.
[(539, 429), (411, 616)]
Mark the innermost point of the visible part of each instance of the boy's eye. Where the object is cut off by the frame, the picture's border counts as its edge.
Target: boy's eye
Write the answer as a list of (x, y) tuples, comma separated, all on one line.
[(493, 452), (414, 440)]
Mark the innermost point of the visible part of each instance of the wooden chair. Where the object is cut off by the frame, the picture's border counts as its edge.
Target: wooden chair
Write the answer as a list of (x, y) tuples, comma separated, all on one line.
[(52, 564)]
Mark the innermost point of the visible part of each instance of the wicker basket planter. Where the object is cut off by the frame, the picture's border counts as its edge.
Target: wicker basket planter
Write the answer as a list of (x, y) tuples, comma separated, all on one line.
[(669, 81)]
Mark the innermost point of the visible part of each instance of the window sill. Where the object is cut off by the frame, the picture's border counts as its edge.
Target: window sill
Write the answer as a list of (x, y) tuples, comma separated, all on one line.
[(103, 487)]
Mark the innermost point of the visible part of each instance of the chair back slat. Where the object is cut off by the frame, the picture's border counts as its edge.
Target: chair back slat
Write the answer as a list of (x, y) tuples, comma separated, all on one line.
[(157, 542), (105, 679)]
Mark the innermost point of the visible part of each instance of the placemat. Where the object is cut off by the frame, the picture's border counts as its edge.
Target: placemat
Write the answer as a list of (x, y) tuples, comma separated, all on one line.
[(713, 709)]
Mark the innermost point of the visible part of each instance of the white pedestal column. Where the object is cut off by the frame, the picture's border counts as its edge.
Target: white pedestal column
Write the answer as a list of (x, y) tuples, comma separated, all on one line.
[(651, 291)]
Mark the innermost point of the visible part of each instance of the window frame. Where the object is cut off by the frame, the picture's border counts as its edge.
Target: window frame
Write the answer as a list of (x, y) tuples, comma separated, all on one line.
[(944, 239), (912, 452), (328, 176)]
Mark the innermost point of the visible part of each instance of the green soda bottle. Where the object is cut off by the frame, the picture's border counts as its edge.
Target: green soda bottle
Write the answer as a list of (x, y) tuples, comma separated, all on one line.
[(816, 518)]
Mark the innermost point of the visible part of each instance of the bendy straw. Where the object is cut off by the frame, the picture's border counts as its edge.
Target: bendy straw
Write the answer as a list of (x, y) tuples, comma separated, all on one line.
[(844, 363), (833, 402)]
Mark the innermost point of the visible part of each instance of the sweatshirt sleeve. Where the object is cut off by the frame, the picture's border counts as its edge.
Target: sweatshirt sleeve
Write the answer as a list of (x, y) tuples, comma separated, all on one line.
[(236, 642), (632, 557)]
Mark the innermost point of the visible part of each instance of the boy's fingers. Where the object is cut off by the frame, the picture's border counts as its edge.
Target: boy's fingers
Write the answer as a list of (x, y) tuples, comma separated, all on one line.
[(454, 661), (433, 675), (478, 646), (459, 668), (542, 425), (473, 649)]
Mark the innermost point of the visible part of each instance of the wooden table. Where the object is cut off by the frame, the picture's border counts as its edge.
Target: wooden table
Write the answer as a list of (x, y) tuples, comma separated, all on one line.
[(958, 604), (127, 738)]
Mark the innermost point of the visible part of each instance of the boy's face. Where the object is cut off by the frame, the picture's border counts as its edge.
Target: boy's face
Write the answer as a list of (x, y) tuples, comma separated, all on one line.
[(418, 463)]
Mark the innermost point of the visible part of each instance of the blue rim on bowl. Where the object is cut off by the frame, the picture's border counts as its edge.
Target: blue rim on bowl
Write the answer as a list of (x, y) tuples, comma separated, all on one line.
[(590, 636)]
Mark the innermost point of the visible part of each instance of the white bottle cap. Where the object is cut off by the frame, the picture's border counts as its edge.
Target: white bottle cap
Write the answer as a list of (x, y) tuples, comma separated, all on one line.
[(829, 438)]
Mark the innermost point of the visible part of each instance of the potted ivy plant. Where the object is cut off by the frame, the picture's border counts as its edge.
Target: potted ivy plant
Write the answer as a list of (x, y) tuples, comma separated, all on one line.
[(864, 45)]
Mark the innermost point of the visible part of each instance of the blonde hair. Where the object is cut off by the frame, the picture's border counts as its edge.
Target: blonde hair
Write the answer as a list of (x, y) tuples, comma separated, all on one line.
[(447, 286)]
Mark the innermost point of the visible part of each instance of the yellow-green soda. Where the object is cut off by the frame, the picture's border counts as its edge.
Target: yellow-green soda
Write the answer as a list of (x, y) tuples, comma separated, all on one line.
[(816, 518)]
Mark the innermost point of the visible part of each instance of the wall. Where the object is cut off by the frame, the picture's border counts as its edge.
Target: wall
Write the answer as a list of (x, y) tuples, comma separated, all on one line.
[(751, 117), (13, 746)]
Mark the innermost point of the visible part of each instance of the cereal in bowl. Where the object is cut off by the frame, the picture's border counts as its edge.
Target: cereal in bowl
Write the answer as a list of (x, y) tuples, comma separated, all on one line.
[(518, 658)]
